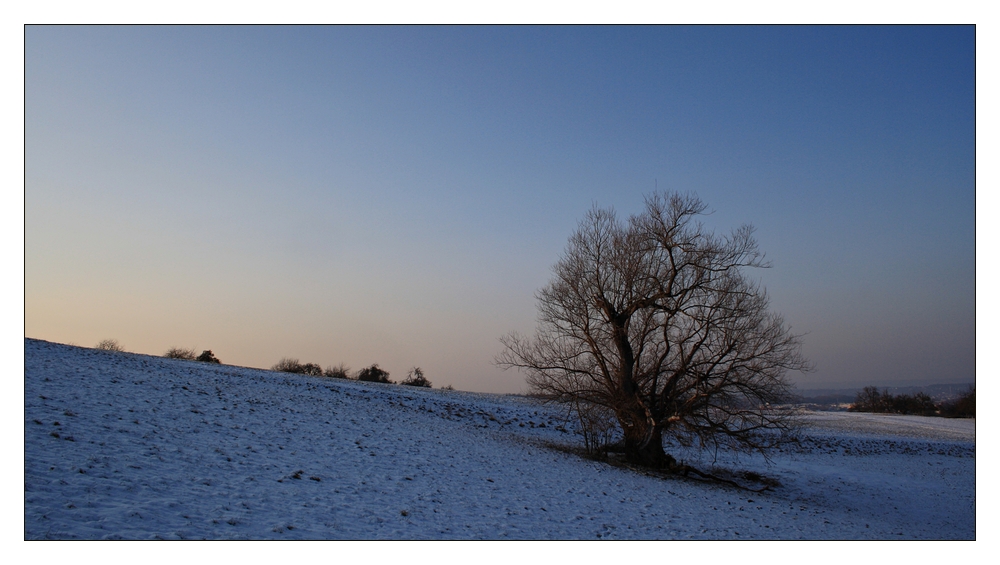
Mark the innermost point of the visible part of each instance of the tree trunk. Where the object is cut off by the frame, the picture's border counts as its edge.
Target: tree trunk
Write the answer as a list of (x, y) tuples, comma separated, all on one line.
[(642, 445)]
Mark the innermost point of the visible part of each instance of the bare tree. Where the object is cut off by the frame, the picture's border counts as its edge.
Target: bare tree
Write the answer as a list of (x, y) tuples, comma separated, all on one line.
[(871, 400), (655, 320), (416, 378)]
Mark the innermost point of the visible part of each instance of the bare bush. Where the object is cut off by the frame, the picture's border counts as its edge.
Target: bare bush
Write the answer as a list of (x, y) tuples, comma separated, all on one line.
[(288, 365), (312, 369), (180, 353), (109, 345), (597, 425), (291, 365), (338, 372)]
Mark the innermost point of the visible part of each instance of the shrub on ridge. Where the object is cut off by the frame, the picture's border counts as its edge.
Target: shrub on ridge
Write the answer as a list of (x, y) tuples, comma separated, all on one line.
[(374, 374), (109, 345), (207, 357), (339, 372), (180, 353), (416, 378), (292, 365)]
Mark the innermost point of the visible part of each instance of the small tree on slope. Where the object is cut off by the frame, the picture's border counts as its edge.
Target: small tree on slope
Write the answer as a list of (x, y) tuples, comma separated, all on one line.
[(416, 378), (374, 374)]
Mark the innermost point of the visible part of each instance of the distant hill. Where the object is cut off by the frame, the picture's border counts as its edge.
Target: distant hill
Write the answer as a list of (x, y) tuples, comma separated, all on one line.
[(834, 398), (131, 446)]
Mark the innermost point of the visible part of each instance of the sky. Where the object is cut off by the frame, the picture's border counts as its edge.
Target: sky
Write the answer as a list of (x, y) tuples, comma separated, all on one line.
[(397, 195)]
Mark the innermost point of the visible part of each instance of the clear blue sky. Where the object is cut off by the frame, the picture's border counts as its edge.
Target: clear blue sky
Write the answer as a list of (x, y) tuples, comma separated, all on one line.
[(397, 195)]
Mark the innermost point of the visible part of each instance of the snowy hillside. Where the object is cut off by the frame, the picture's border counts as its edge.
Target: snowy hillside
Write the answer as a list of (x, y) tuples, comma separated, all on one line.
[(119, 445)]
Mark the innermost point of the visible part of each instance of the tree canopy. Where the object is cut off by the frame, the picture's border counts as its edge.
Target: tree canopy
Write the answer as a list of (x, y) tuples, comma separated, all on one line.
[(655, 320)]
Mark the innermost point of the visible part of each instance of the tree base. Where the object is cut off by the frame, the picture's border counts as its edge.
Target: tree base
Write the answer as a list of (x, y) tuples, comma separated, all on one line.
[(664, 465)]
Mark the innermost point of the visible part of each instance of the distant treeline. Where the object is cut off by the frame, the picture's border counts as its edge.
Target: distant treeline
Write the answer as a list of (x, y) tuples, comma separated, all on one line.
[(206, 356), (871, 400), (373, 374), (180, 353)]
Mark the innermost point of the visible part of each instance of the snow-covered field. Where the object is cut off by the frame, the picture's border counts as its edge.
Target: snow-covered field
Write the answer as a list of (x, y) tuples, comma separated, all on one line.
[(124, 446)]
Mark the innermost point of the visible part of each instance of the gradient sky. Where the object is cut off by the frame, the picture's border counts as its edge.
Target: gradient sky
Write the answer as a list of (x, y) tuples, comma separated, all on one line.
[(396, 195)]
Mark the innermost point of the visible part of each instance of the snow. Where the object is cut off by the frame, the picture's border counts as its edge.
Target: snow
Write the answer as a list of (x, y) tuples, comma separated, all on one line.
[(127, 446)]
